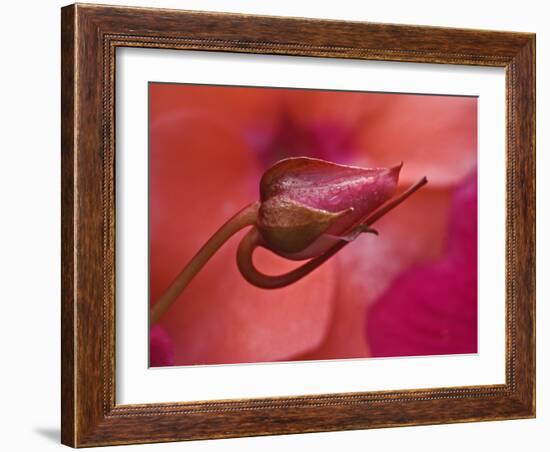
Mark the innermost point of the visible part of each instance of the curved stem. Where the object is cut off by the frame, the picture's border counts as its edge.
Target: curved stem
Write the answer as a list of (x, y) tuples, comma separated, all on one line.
[(253, 239), (393, 203), (245, 217)]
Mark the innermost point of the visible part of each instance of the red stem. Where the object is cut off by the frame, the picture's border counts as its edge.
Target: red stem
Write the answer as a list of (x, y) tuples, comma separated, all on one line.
[(245, 217)]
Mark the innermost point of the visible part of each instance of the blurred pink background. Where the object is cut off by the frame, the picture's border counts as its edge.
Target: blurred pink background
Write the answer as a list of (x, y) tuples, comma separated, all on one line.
[(412, 290)]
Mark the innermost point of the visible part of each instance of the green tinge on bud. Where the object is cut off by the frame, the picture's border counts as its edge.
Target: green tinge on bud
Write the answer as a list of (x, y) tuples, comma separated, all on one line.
[(289, 227)]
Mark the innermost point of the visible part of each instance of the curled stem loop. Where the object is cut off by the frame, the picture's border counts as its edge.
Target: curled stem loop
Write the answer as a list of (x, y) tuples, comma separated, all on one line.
[(252, 240)]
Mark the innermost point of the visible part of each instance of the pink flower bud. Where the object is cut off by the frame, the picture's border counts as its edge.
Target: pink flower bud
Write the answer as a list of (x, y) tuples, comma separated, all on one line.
[(307, 205)]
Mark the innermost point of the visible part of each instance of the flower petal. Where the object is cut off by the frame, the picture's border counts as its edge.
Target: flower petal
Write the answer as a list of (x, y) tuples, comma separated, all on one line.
[(435, 135), (413, 233), (232, 108), (432, 308), (161, 348)]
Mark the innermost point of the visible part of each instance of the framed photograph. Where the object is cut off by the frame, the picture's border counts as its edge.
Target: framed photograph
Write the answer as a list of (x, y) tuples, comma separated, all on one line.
[(282, 225)]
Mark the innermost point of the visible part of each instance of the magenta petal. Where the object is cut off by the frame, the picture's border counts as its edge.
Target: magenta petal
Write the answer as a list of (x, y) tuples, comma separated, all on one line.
[(161, 348), (462, 238), (432, 309)]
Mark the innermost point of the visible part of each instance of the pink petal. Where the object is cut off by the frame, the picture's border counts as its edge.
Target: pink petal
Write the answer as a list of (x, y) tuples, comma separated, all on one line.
[(436, 136), (229, 107), (413, 233), (314, 123), (350, 110), (432, 309), (161, 348), (345, 336)]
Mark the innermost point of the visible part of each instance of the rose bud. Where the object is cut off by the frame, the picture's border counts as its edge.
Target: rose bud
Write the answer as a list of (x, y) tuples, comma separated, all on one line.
[(308, 209), (307, 205)]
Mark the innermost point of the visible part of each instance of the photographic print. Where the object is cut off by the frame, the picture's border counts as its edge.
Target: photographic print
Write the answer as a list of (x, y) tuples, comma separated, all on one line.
[(297, 225)]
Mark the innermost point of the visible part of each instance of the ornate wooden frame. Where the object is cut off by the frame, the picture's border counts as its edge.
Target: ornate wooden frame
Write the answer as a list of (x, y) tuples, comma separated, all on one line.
[(90, 35)]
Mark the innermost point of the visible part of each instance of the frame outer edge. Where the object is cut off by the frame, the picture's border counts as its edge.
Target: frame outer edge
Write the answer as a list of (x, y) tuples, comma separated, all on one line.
[(68, 161), (534, 226), (525, 62)]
